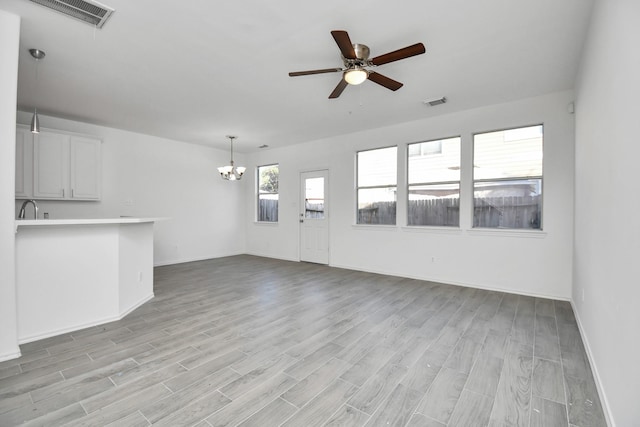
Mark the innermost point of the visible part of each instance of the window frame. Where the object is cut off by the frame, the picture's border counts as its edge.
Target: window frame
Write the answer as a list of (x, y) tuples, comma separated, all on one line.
[(409, 184), (358, 187), (520, 178), (422, 154), (258, 194)]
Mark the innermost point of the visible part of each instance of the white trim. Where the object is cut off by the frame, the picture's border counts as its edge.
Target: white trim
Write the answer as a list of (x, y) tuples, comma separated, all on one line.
[(185, 260), (9, 356), (261, 255), (66, 132), (386, 273), (606, 408), (378, 227), (136, 305), (266, 223), (503, 232), (454, 283), (431, 229), (56, 332), (81, 326)]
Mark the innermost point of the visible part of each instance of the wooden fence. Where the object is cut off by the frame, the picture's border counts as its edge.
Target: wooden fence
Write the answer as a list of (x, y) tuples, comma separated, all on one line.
[(268, 210), (508, 212), (314, 210), (493, 212), (444, 212), (378, 213)]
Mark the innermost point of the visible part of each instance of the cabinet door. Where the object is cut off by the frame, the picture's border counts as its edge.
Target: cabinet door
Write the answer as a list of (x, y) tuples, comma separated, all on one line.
[(86, 168), (24, 163), (50, 165)]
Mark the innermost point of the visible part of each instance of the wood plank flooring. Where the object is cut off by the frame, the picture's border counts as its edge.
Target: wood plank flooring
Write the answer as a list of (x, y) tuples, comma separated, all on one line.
[(249, 341)]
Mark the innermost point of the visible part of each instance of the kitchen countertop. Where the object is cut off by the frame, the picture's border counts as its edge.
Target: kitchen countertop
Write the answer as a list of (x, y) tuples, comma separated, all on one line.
[(84, 221)]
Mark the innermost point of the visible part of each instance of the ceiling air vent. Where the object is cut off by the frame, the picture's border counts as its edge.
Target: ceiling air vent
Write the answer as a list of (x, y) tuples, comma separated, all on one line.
[(434, 102), (88, 11)]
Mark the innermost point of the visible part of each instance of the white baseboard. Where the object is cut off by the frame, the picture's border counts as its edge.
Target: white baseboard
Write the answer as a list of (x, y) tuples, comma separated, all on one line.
[(185, 260), (349, 267), (9, 356), (137, 304), (455, 283), (272, 257), (594, 369), (53, 333)]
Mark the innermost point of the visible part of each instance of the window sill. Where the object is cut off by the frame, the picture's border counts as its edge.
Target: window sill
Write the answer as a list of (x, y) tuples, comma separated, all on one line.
[(265, 223), (381, 227), (507, 232), (431, 229)]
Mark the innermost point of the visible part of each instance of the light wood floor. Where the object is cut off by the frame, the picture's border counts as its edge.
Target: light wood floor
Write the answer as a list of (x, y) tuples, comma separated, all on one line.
[(258, 342)]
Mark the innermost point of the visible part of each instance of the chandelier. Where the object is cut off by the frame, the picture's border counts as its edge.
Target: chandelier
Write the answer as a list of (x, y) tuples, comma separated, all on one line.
[(231, 172)]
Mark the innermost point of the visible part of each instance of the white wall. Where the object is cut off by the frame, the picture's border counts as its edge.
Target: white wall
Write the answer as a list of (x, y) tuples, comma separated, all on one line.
[(535, 263), (607, 226), (146, 176), (9, 42)]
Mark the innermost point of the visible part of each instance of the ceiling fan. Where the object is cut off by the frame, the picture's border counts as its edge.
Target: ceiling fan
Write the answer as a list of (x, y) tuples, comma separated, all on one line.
[(356, 63)]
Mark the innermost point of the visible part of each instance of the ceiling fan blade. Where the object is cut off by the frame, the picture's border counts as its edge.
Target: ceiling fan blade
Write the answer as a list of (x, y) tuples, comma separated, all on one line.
[(396, 55), (384, 81), (306, 73), (338, 90), (344, 43)]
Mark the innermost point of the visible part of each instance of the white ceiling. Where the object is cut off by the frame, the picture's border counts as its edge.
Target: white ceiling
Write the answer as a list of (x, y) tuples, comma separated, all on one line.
[(198, 70)]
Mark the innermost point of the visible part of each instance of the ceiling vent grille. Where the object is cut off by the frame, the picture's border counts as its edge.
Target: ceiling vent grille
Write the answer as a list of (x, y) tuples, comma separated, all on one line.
[(434, 102), (88, 11)]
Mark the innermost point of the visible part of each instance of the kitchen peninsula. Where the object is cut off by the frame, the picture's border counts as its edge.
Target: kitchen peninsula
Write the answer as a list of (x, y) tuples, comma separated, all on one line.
[(76, 273)]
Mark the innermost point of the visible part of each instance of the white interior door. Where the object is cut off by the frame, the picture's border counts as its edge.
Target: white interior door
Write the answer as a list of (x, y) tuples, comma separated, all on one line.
[(314, 217)]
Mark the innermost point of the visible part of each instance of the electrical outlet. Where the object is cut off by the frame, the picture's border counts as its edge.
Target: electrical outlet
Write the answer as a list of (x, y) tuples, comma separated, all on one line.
[(139, 276), (433, 259), (582, 295)]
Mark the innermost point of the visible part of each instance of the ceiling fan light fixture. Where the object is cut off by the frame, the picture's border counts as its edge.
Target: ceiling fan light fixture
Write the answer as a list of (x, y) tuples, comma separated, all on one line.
[(356, 76), (355, 58)]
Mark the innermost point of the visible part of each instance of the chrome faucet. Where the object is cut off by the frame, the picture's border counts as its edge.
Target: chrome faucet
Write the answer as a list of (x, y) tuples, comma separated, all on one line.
[(35, 209)]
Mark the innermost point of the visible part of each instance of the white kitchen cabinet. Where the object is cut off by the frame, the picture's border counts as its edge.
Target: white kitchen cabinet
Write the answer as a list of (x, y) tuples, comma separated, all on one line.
[(24, 163), (65, 166), (85, 169), (50, 165)]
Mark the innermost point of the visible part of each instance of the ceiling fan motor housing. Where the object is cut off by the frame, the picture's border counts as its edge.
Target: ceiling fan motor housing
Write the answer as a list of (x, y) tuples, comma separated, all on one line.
[(362, 51), (362, 57)]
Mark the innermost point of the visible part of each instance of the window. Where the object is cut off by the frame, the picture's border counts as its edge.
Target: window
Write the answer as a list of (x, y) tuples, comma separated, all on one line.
[(377, 179), (425, 149), (314, 198), (434, 183), (507, 178), (268, 193)]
